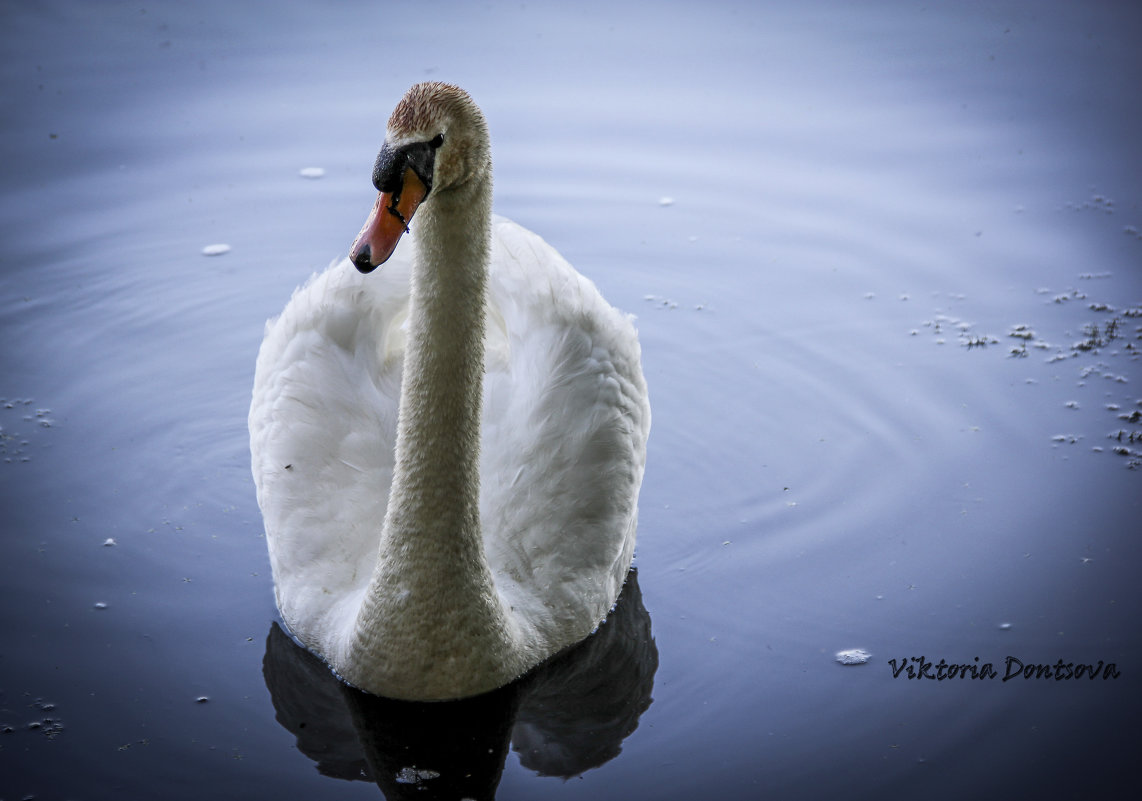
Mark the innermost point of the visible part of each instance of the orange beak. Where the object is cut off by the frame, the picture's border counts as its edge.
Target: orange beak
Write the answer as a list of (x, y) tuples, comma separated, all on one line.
[(389, 219)]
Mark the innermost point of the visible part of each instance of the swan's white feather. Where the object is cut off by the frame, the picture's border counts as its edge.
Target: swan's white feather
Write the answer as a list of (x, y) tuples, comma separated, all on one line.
[(565, 422)]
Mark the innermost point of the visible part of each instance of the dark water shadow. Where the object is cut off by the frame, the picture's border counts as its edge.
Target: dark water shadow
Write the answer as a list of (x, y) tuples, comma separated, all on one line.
[(569, 715)]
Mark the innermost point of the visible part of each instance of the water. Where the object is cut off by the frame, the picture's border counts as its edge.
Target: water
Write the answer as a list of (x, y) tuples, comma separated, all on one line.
[(857, 194)]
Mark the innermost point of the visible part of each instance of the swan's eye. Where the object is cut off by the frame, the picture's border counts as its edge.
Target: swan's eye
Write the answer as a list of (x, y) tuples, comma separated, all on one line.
[(436, 141)]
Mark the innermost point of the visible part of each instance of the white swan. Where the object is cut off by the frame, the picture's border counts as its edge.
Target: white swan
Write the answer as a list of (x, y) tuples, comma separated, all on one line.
[(448, 453)]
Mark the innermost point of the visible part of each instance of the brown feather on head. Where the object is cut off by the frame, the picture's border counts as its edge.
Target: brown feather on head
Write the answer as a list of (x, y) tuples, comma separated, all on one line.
[(423, 105)]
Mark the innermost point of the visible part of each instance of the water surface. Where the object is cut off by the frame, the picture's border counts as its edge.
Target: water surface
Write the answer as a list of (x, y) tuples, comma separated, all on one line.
[(830, 221)]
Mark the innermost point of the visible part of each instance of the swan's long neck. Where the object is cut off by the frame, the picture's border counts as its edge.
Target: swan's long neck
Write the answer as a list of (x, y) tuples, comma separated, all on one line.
[(435, 488), (431, 611)]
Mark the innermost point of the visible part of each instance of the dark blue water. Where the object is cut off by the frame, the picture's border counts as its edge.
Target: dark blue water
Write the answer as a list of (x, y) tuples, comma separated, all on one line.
[(887, 264)]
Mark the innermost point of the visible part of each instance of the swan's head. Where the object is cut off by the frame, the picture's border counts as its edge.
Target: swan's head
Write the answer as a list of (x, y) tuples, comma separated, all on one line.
[(435, 143)]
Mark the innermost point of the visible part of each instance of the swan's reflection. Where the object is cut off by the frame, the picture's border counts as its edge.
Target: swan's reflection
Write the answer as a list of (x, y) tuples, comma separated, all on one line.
[(567, 716)]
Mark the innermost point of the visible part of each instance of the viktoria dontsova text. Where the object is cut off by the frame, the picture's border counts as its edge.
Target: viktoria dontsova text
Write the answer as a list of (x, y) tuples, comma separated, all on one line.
[(917, 667)]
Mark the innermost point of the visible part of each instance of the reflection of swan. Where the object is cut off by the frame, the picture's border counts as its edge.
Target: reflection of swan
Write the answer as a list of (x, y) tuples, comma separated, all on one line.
[(443, 544), (570, 715)]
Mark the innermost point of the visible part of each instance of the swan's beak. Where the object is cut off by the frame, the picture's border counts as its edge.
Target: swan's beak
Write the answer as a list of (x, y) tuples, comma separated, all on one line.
[(389, 219)]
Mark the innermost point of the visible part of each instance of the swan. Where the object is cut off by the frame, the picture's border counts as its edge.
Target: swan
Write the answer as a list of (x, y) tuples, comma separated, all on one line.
[(447, 453)]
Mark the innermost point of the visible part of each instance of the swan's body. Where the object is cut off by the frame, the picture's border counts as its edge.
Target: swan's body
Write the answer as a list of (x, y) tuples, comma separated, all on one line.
[(447, 454)]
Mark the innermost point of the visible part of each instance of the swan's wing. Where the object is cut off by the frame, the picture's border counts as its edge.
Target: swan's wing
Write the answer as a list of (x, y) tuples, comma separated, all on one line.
[(566, 419), (322, 429)]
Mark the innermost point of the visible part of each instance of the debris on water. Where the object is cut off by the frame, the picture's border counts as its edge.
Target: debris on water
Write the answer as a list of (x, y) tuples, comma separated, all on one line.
[(1074, 294), (1004, 626), (662, 303), (414, 775), (1096, 203), (853, 656), (202, 699), (215, 250), (100, 605), (311, 172), (963, 329), (109, 542), (1096, 338), (1110, 336), (14, 441), (49, 727)]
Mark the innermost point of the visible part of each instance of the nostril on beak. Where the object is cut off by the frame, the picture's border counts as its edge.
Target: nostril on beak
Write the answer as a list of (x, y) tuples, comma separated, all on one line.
[(362, 259)]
